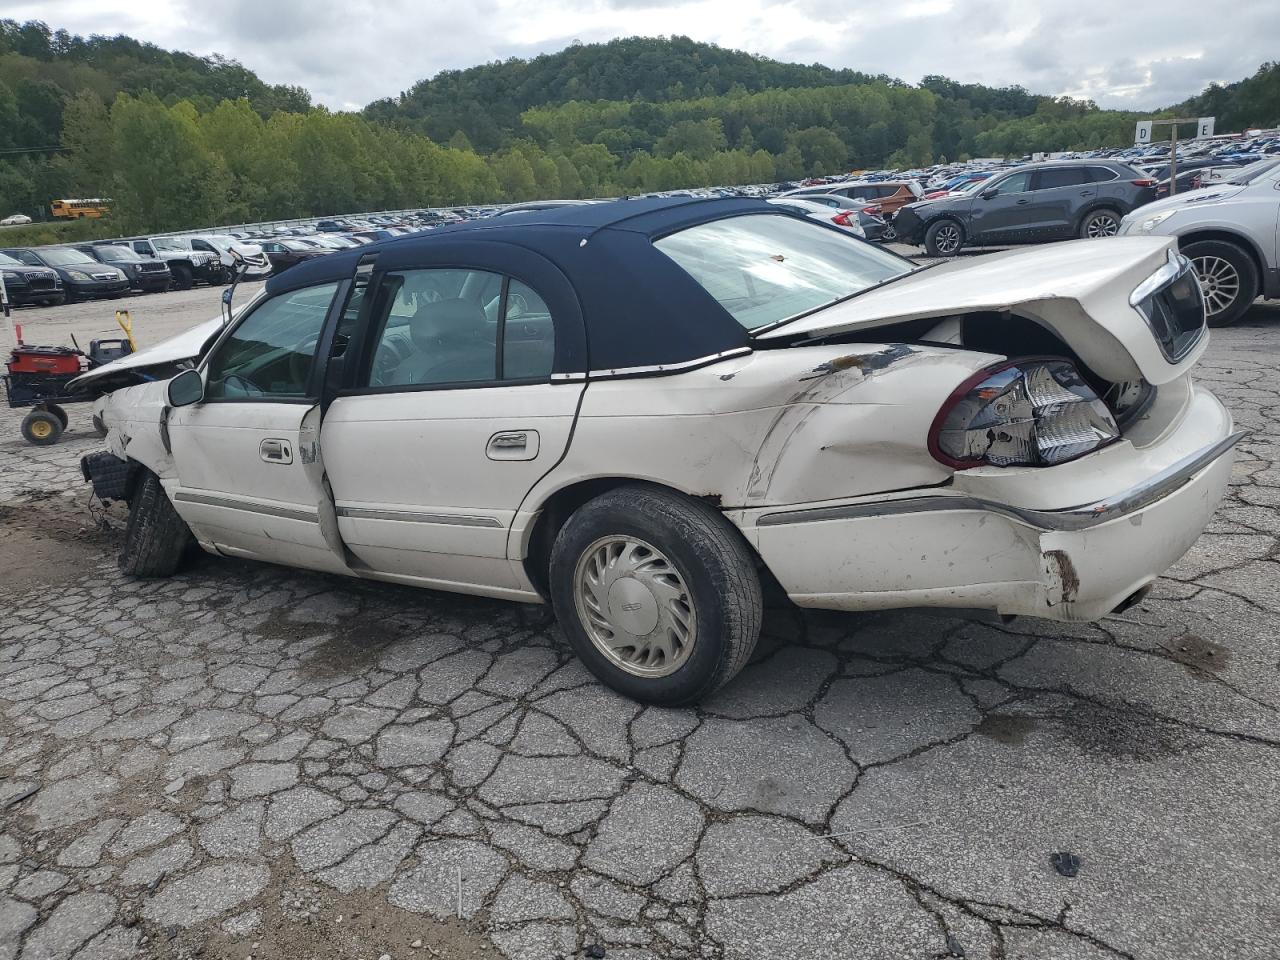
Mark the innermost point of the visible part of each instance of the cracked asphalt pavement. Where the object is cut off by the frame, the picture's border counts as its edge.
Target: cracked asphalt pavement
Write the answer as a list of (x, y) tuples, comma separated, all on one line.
[(247, 760)]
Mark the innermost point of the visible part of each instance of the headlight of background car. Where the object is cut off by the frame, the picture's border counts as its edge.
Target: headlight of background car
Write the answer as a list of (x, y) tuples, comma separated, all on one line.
[(1147, 224), (77, 275), (1028, 413)]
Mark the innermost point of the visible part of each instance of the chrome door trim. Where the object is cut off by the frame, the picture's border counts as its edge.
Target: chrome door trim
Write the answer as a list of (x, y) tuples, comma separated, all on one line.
[(233, 503), (412, 516)]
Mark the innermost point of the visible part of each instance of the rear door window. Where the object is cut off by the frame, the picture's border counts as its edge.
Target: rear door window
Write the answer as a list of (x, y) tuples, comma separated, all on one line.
[(1055, 177)]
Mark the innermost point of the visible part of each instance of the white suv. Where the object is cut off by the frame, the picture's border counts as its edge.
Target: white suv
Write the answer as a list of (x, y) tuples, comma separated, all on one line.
[(1229, 232)]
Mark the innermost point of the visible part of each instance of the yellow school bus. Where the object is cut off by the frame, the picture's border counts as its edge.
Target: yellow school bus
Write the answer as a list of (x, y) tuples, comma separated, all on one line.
[(78, 209)]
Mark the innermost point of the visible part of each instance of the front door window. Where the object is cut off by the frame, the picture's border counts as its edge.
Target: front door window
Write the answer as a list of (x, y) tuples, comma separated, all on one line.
[(271, 353)]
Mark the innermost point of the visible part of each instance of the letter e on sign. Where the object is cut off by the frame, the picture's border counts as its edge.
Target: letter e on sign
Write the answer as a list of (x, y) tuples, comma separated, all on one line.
[(1204, 128)]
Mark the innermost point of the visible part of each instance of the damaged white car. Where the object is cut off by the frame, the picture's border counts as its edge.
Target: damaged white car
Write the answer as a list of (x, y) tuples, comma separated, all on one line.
[(647, 412)]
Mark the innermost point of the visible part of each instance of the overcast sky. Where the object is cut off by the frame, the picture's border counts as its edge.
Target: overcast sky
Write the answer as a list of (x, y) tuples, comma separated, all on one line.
[(1121, 53)]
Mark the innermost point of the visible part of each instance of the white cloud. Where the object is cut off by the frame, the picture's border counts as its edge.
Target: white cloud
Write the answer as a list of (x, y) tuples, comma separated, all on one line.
[(1135, 55)]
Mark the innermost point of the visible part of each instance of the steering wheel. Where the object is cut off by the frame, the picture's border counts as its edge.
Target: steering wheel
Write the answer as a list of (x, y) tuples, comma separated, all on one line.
[(238, 382), (300, 358)]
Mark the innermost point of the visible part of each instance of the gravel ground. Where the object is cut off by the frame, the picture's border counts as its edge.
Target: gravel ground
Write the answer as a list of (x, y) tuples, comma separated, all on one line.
[(251, 761)]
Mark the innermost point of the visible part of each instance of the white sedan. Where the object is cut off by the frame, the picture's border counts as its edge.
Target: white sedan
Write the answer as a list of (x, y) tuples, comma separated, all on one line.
[(643, 411), (15, 220)]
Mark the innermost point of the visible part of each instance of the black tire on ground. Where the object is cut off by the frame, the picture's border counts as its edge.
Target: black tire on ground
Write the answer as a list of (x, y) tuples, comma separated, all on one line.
[(41, 428), (182, 276), (54, 301), (944, 238), (156, 537), (1228, 277), (58, 412), (714, 568), (1100, 223)]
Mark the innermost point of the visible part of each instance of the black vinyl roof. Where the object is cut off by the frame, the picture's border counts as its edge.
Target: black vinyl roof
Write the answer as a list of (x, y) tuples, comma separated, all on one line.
[(617, 301)]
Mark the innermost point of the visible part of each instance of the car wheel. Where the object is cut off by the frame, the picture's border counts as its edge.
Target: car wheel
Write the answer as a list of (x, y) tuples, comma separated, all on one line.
[(943, 239), (1228, 279), (657, 593), (182, 277), (890, 233), (1100, 223), (42, 428), (156, 537)]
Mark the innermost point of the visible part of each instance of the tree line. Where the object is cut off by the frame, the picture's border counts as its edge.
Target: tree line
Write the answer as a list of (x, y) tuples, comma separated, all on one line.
[(180, 141)]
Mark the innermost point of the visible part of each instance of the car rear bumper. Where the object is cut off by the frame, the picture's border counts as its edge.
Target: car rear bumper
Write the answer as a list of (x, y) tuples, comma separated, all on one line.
[(944, 547)]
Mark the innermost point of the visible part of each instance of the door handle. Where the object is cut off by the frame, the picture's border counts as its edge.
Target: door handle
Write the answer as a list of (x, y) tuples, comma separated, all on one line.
[(1020, 202), (273, 450), (513, 445)]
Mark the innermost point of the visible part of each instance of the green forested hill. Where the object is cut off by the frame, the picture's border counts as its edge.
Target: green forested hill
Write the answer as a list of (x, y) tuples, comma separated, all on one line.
[(180, 141)]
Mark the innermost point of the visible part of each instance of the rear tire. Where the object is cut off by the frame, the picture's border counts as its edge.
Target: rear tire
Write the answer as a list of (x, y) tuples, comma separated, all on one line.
[(944, 238), (1228, 278), (156, 537), (672, 566), (1099, 224)]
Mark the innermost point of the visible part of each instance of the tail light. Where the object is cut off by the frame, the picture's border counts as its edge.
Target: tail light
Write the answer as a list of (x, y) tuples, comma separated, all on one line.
[(1143, 183), (871, 211), (1029, 413), (842, 218)]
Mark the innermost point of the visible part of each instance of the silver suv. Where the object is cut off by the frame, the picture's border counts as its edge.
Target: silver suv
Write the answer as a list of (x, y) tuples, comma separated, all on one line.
[(1229, 232)]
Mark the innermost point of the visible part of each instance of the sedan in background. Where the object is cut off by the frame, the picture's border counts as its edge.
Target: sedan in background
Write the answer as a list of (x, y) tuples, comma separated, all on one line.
[(149, 276), (286, 253), (15, 220), (869, 218), (844, 219), (83, 278), (27, 284)]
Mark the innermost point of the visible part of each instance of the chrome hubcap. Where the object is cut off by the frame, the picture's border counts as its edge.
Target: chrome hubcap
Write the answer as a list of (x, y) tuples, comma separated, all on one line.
[(634, 605), (1219, 282), (947, 240), (1103, 226)]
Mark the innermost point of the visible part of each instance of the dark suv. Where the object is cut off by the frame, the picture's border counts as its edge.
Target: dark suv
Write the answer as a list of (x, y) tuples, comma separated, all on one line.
[(1035, 203)]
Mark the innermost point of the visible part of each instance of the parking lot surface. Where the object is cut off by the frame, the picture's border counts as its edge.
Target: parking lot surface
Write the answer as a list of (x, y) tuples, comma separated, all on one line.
[(252, 761)]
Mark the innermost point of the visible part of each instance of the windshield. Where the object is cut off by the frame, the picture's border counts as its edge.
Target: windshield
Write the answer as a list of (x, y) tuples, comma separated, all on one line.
[(64, 258), (117, 253), (766, 269), (167, 243)]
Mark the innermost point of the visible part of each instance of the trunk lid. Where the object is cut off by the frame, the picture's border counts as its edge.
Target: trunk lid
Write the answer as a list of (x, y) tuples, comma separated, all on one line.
[(1079, 290)]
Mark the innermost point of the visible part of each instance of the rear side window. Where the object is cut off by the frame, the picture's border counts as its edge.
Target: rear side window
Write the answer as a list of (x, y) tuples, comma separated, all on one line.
[(1105, 174), (765, 269), (1054, 177)]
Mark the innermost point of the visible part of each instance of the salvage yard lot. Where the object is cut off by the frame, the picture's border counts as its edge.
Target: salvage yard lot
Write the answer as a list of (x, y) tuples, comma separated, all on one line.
[(253, 760)]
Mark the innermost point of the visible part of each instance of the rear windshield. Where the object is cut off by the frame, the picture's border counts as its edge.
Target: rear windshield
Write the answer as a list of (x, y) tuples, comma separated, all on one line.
[(766, 269)]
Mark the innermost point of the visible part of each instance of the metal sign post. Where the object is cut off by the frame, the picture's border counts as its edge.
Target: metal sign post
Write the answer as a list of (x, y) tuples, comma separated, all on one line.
[(1142, 135)]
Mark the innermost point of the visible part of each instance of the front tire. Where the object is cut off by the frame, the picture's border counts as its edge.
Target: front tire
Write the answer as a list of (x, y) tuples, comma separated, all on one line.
[(156, 537), (1228, 279), (657, 593), (1100, 224), (183, 279), (943, 239)]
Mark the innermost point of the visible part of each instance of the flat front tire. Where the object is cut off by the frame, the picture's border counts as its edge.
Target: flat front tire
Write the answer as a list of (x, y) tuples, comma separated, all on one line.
[(1228, 279), (943, 239), (657, 593), (156, 537)]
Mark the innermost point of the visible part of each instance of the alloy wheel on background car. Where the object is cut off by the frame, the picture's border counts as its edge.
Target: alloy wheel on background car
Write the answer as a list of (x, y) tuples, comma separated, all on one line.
[(1102, 225), (947, 239), (1219, 281), (634, 606)]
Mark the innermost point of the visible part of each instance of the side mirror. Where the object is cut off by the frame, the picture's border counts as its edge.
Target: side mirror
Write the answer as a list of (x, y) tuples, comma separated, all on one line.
[(186, 388), (988, 193)]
